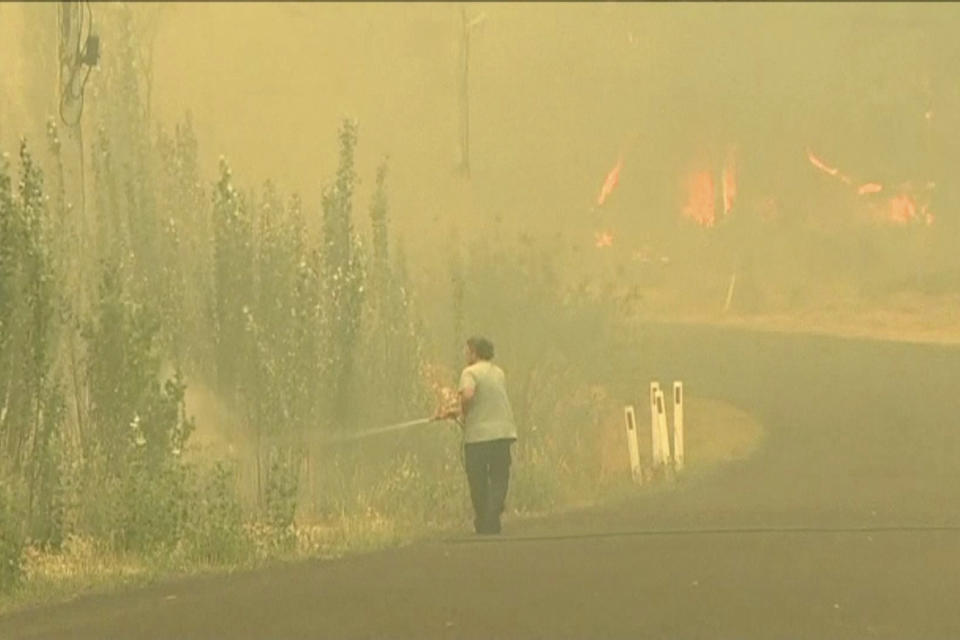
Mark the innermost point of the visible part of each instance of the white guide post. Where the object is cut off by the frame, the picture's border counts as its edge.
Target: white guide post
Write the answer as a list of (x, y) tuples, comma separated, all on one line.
[(663, 437), (630, 418), (654, 429), (733, 283), (678, 425)]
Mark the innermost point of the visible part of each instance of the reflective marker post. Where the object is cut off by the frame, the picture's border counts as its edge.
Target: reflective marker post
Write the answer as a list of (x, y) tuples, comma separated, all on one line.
[(678, 425), (663, 437), (630, 419), (654, 429)]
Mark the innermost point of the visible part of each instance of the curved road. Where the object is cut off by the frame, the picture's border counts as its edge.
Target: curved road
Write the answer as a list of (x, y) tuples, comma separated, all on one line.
[(844, 525)]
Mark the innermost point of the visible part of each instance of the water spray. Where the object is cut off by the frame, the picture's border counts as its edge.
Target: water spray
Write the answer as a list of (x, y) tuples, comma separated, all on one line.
[(375, 431), (363, 434)]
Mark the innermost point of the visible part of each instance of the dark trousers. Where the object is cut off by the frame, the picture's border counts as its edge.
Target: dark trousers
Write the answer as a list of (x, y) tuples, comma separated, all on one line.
[(488, 473)]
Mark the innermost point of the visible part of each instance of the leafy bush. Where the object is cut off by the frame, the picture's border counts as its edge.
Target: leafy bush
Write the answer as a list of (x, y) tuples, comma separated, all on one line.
[(151, 506), (11, 540), (280, 495), (214, 532)]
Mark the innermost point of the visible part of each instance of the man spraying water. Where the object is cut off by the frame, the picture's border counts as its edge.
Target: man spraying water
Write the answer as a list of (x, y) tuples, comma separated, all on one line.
[(488, 432)]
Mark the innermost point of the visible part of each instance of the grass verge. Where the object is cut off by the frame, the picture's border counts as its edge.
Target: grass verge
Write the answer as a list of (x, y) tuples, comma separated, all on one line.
[(398, 497)]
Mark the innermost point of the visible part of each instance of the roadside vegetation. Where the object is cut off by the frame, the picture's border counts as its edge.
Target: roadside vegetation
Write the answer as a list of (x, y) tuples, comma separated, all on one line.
[(167, 297), (176, 355)]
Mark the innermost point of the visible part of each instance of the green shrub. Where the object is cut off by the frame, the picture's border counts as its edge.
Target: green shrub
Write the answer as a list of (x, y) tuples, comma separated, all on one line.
[(281, 490), (152, 506), (281, 497), (214, 532), (11, 540)]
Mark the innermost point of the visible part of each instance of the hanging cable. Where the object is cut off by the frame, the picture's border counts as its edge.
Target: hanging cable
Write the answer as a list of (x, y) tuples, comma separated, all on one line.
[(83, 174), (86, 53)]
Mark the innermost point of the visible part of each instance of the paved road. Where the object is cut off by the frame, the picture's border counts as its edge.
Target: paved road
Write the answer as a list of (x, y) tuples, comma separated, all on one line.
[(845, 525)]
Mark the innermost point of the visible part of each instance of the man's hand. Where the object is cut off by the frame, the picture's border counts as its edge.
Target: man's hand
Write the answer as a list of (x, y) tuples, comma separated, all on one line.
[(446, 413), (448, 406)]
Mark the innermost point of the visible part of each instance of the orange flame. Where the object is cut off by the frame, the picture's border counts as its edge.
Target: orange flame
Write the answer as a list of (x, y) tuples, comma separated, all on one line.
[(820, 164), (870, 187), (729, 181), (902, 209), (700, 199), (602, 239), (613, 179)]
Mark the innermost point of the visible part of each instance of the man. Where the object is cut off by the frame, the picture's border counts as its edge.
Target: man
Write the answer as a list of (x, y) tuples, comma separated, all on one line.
[(488, 433)]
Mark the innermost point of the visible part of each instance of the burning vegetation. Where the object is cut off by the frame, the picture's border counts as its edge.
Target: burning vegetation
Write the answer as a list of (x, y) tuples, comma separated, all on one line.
[(194, 254)]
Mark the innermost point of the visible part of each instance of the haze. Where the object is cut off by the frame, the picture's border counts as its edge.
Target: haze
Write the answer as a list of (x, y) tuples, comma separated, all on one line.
[(242, 246)]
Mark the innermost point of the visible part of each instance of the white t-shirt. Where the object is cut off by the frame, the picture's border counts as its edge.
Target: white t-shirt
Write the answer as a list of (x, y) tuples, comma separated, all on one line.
[(489, 415)]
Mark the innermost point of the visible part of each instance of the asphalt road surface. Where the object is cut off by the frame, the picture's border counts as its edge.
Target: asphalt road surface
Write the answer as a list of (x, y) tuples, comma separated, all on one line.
[(844, 525)]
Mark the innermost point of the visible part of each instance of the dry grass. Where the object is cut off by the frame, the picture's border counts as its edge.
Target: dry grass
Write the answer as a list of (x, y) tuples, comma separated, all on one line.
[(85, 566), (82, 565), (910, 317), (404, 498), (715, 432)]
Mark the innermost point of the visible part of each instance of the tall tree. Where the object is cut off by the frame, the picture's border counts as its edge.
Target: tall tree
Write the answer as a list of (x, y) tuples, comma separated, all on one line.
[(343, 275)]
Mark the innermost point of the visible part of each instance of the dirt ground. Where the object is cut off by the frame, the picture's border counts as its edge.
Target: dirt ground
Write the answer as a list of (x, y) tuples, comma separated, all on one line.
[(905, 318)]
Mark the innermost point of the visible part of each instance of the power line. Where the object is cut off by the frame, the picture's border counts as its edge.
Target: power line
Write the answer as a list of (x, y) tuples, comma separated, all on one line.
[(85, 52)]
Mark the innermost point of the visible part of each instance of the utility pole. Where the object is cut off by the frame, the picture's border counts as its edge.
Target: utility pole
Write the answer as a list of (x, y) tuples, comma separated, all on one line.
[(466, 27)]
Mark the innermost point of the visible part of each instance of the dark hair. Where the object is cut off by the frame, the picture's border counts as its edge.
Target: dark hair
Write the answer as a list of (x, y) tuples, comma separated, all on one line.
[(481, 346)]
